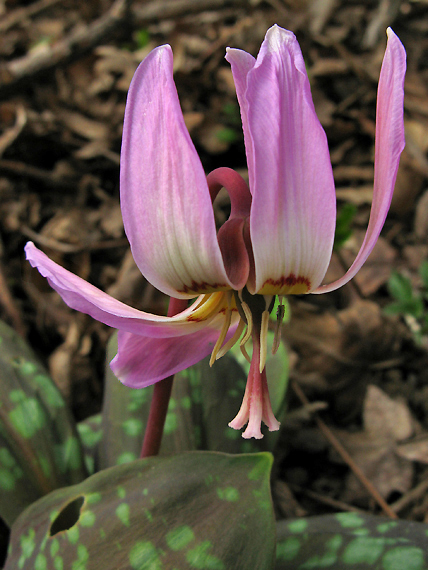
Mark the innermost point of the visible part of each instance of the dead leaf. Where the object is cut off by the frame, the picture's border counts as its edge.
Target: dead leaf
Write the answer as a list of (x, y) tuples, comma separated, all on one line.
[(416, 450), (385, 417), (386, 422), (338, 350), (377, 269)]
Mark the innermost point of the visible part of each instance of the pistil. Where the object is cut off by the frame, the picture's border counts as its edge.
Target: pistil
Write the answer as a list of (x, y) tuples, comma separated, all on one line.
[(256, 406), (254, 311)]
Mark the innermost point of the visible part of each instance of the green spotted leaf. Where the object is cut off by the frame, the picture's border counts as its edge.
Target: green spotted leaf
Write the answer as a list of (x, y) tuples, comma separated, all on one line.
[(91, 434), (39, 447), (124, 416), (352, 541), (198, 510)]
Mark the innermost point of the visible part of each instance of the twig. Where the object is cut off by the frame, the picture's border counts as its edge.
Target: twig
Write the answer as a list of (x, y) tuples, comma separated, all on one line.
[(411, 496), (340, 505), (371, 489)]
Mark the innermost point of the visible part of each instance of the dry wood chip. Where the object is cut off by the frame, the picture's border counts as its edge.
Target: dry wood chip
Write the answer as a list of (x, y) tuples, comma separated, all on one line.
[(353, 172), (358, 196), (81, 125), (329, 66)]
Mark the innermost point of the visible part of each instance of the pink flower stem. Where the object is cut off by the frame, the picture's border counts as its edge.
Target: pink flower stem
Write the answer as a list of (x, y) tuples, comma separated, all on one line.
[(160, 399)]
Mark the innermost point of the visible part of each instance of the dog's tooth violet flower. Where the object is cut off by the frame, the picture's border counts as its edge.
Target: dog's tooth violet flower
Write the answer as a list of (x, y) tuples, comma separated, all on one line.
[(277, 240)]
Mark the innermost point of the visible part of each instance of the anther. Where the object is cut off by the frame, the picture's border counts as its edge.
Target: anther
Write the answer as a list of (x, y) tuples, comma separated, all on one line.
[(249, 318), (225, 328), (231, 342)]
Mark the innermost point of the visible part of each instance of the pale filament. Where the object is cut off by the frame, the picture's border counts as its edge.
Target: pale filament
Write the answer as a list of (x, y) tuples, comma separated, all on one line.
[(225, 328), (249, 330), (207, 306), (231, 342)]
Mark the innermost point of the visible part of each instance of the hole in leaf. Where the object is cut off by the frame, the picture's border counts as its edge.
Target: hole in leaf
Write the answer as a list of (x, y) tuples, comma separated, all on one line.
[(68, 517)]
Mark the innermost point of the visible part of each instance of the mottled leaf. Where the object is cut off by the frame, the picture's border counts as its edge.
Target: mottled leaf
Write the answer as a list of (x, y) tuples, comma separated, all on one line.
[(124, 416), (199, 510), (91, 434), (351, 541), (39, 447)]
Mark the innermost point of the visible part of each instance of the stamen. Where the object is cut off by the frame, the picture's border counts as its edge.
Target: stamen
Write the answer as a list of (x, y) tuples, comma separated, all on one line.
[(245, 353), (225, 328), (280, 313), (207, 306), (263, 340), (232, 341), (249, 318)]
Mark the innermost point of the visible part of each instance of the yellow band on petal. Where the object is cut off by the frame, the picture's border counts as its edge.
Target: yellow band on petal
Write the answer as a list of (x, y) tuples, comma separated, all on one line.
[(289, 285), (207, 306)]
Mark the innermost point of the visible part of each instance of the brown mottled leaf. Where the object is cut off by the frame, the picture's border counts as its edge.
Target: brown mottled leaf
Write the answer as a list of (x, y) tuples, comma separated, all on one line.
[(39, 447), (196, 510), (352, 541)]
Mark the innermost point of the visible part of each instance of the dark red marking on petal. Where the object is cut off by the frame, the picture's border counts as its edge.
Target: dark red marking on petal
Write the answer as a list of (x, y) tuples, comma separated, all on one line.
[(202, 288), (289, 281)]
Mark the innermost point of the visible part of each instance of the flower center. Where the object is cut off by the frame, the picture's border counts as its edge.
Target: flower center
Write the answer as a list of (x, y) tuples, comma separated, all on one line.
[(254, 311)]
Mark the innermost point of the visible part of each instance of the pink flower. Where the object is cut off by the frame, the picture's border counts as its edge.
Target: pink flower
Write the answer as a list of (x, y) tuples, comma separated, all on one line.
[(277, 240)]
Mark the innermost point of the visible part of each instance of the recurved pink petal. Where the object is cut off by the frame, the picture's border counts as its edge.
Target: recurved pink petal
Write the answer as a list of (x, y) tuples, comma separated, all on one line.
[(84, 297), (241, 63), (389, 144), (292, 219), (166, 206), (142, 361)]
